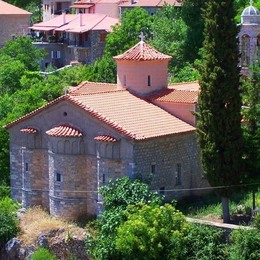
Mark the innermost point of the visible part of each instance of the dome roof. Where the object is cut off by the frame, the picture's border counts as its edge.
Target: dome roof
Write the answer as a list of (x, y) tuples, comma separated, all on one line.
[(250, 11)]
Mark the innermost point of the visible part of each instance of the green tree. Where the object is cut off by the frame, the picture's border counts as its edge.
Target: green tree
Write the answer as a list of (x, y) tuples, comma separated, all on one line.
[(219, 119), (117, 195), (153, 232), (251, 113), (22, 49)]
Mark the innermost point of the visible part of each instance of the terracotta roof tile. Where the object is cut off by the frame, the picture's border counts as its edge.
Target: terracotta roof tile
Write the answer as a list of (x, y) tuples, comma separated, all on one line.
[(175, 96), (87, 87), (142, 52), (6, 8), (130, 115), (191, 86), (64, 131), (105, 138), (150, 3), (127, 114), (29, 130)]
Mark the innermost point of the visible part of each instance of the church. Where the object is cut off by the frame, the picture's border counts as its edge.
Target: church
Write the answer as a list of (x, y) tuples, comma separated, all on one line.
[(63, 152)]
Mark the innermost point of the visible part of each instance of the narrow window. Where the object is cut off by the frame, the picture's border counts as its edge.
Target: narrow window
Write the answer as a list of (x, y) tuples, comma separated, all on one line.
[(149, 81), (58, 177), (153, 168), (124, 80), (178, 174), (26, 167)]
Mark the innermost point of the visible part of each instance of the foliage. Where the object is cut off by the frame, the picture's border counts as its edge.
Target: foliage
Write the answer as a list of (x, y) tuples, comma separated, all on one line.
[(191, 14), (245, 245), (205, 242), (22, 49), (256, 221), (123, 192), (251, 114), (4, 191), (8, 220), (43, 254), (169, 34), (117, 195), (185, 74), (152, 232), (219, 119)]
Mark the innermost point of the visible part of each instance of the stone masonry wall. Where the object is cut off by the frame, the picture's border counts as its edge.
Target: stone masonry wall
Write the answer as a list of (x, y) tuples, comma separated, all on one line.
[(166, 157)]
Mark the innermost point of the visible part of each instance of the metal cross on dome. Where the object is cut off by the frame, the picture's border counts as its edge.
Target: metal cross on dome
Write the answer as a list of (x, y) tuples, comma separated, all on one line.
[(142, 36), (251, 2)]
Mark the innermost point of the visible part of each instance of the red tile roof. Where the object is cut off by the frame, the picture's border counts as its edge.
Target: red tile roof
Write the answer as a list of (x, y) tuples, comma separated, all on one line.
[(77, 23), (64, 131), (29, 130), (87, 87), (149, 3), (105, 138), (190, 86), (6, 8), (129, 115), (142, 52), (175, 96)]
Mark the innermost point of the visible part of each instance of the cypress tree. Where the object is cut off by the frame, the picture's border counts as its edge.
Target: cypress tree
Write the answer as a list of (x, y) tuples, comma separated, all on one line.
[(219, 119)]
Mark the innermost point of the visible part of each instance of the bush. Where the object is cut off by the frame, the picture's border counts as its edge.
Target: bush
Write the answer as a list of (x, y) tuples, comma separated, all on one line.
[(8, 220), (43, 254), (245, 245), (257, 221), (206, 242), (4, 191)]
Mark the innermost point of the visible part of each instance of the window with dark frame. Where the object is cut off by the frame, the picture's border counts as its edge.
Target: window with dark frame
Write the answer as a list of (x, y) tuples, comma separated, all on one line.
[(26, 167), (149, 81), (178, 174), (153, 168), (58, 177)]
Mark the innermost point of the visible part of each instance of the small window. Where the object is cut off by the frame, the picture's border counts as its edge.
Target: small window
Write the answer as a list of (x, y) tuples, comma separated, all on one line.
[(178, 174), (103, 37), (58, 177), (162, 190), (149, 81), (26, 167), (153, 168), (104, 178), (124, 80)]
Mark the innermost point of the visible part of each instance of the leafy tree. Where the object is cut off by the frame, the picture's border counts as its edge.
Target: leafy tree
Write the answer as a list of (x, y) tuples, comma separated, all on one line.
[(117, 195), (8, 220), (169, 34), (22, 49), (11, 71), (251, 100), (191, 13), (219, 119), (152, 232)]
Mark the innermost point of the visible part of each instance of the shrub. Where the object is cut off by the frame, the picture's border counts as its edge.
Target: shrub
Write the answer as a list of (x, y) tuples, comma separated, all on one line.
[(245, 245), (43, 254), (206, 242), (8, 220), (256, 221), (4, 191)]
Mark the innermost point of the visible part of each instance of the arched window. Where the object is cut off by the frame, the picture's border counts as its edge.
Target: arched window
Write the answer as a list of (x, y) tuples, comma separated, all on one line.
[(245, 51), (258, 48)]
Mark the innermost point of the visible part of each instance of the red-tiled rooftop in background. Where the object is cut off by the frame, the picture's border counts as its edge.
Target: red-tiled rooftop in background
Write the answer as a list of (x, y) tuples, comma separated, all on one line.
[(6, 8), (149, 3), (87, 87), (142, 52), (105, 138), (29, 130), (175, 96), (64, 131)]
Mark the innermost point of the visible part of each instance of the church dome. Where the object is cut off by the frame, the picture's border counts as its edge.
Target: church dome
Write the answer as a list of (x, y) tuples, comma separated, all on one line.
[(250, 15), (250, 11)]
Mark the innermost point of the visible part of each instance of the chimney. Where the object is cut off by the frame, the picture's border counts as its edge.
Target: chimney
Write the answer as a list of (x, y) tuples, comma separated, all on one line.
[(63, 17), (80, 19)]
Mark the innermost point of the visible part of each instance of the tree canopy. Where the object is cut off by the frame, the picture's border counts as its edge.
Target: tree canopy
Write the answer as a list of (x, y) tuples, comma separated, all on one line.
[(219, 120)]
